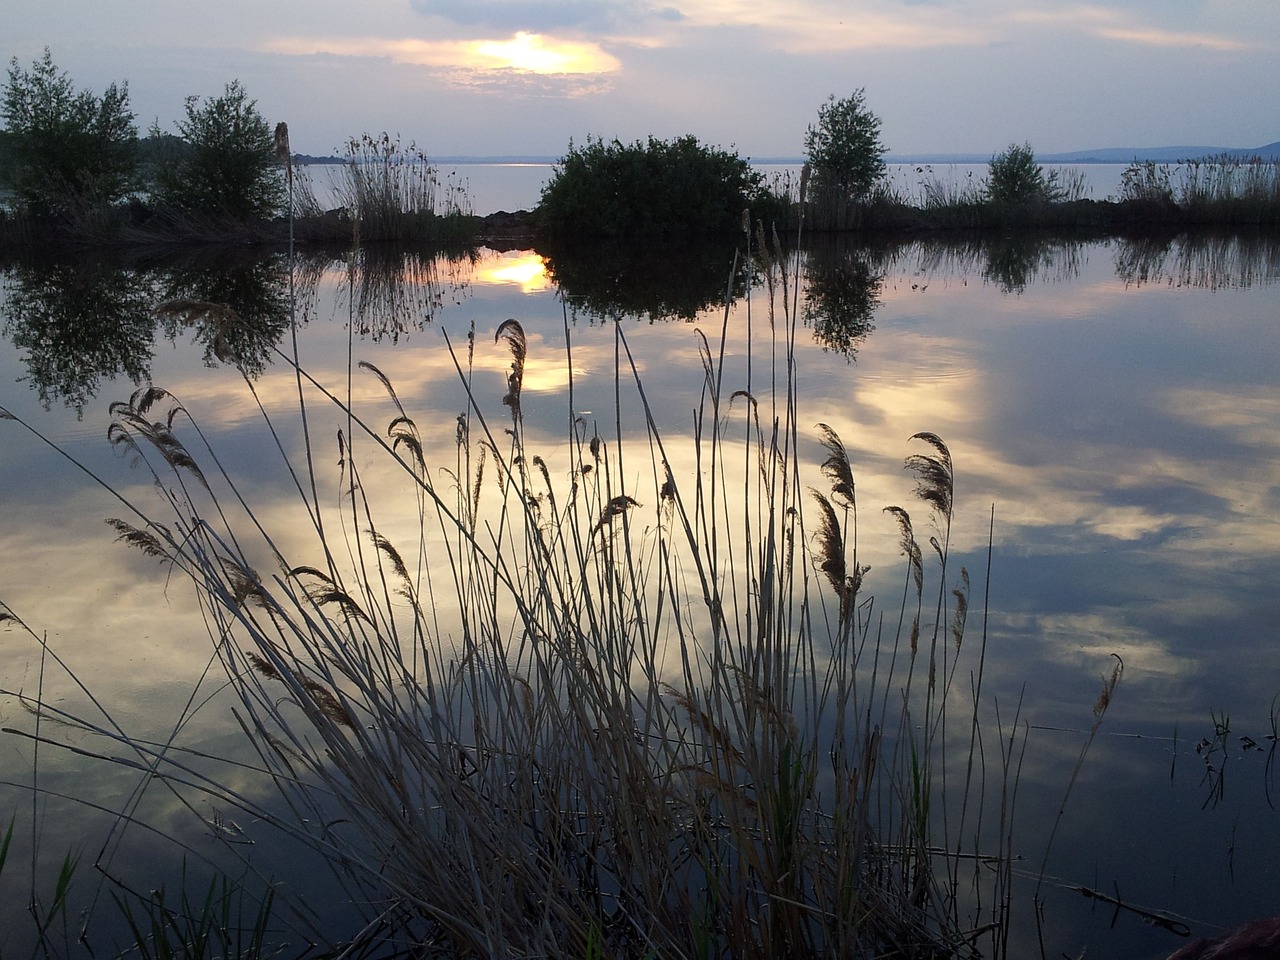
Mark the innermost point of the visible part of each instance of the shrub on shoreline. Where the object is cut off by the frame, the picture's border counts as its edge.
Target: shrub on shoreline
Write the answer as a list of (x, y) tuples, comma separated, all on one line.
[(676, 188)]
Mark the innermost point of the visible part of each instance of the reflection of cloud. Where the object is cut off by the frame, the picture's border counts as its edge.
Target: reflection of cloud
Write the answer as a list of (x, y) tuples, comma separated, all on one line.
[(527, 270)]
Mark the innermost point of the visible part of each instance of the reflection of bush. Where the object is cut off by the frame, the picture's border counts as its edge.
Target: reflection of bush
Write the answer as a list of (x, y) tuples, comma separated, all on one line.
[(79, 320), (644, 280), (1013, 262), (842, 291)]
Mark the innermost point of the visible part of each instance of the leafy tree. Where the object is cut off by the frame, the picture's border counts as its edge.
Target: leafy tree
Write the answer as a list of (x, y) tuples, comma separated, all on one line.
[(844, 150), (230, 167), (1014, 177), (68, 150), (674, 188)]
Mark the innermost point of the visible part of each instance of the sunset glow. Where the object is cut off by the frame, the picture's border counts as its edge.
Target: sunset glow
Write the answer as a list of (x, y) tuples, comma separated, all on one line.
[(534, 53)]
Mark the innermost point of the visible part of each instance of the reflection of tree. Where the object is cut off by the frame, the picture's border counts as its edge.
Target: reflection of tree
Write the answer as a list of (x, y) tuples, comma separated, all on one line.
[(252, 296), (392, 290), (1206, 260), (842, 291), (79, 320), (650, 280)]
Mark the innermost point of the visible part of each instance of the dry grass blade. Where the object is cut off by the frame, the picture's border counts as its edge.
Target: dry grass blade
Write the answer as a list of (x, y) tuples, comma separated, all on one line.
[(148, 543), (908, 545), (513, 333), (829, 545), (935, 482), (614, 509)]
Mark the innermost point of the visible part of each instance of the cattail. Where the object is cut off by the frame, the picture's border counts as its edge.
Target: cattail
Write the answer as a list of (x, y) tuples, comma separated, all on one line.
[(283, 153)]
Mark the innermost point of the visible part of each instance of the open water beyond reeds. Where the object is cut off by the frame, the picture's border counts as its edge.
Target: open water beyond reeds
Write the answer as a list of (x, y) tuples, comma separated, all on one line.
[(1115, 402)]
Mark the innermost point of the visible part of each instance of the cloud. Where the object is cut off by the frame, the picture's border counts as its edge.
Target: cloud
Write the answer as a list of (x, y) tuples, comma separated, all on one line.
[(546, 15), (525, 65), (1112, 24)]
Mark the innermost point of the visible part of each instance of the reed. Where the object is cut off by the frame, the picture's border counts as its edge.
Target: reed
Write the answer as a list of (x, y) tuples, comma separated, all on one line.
[(1216, 190), (588, 701), (391, 192)]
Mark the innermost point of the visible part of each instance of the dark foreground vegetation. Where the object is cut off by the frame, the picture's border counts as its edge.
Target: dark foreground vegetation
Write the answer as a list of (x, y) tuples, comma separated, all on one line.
[(76, 172)]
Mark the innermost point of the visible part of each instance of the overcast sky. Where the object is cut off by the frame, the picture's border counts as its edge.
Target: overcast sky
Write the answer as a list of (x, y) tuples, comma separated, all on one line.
[(487, 77)]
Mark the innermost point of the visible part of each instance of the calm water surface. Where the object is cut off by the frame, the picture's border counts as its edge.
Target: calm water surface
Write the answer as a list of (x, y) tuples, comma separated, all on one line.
[(1115, 402)]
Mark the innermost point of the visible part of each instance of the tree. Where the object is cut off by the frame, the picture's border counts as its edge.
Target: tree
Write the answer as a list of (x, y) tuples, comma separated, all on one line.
[(229, 168), (69, 150), (1014, 177), (844, 149)]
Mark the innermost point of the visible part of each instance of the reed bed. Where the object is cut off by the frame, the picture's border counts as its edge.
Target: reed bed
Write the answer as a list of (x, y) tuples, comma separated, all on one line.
[(1216, 190), (624, 697), (391, 192)]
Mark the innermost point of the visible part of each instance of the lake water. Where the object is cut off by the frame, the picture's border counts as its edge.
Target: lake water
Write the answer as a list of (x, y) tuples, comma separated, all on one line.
[(1115, 402)]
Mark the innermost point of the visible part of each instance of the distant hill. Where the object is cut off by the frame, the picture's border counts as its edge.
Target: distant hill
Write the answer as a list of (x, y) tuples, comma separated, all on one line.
[(1161, 154)]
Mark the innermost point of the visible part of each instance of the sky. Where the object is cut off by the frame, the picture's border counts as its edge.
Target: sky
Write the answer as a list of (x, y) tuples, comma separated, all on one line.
[(525, 77)]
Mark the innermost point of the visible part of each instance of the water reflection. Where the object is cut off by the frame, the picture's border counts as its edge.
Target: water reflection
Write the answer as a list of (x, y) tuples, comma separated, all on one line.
[(842, 291), (79, 320), (1129, 447), (392, 291), (255, 295), (1208, 261), (652, 281)]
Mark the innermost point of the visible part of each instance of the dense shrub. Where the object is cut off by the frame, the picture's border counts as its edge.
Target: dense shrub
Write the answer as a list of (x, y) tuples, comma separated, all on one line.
[(229, 168), (1014, 177), (68, 152), (674, 188)]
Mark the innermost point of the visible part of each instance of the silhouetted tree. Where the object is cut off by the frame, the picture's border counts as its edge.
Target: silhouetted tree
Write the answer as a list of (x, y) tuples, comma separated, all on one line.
[(69, 151)]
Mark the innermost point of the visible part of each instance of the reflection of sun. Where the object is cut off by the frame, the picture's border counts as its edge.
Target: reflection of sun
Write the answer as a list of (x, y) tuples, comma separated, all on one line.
[(534, 53), (528, 270)]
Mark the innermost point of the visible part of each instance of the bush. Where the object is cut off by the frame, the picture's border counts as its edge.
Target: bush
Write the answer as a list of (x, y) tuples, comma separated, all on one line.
[(68, 152), (1014, 177), (844, 149), (674, 188), (229, 169)]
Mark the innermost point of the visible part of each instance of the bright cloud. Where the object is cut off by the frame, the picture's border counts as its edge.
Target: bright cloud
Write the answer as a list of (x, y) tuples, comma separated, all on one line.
[(524, 52)]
